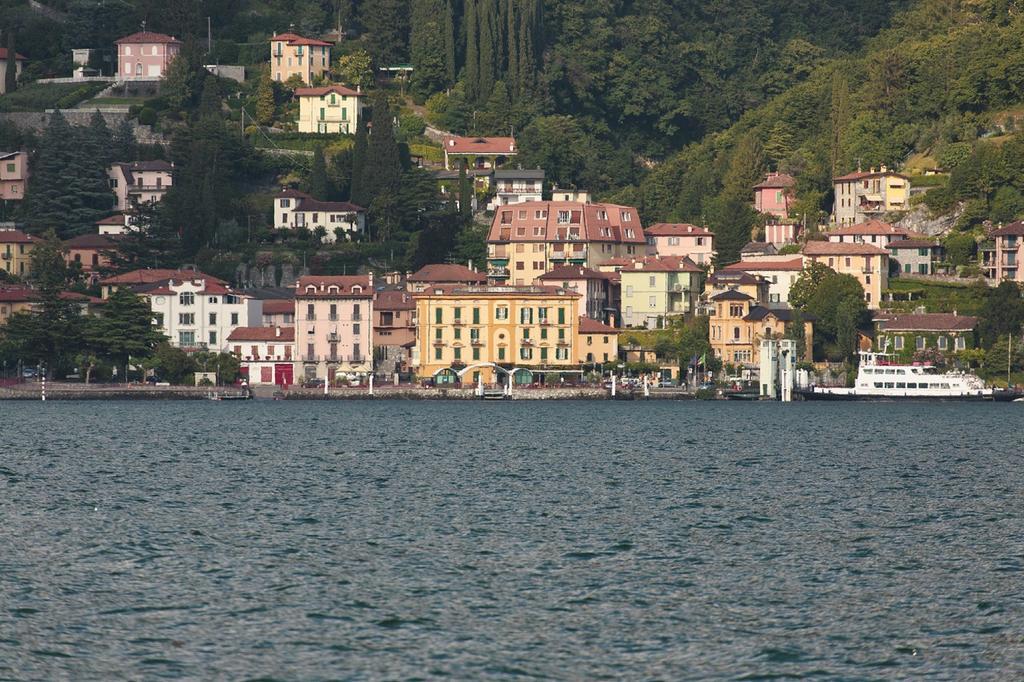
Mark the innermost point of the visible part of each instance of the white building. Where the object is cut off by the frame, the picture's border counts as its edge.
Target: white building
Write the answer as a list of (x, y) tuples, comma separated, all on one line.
[(200, 313), (294, 210), (780, 274), (139, 182), (513, 186), (266, 354)]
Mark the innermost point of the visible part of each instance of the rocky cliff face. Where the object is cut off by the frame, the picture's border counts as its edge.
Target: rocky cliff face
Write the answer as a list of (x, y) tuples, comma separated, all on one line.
[(920, 220)]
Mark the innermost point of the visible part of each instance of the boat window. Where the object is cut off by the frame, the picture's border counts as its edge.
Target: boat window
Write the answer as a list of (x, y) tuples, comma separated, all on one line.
[(900, 384), (911, 385), (878, 384), (888, 384)]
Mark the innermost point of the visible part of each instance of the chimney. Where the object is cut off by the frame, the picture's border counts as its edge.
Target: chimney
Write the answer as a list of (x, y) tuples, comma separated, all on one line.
[(277, 331), (369, 278), (470, 265)]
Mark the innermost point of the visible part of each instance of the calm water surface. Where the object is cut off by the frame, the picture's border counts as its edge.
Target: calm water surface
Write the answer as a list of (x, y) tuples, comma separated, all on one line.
[(574, 540)]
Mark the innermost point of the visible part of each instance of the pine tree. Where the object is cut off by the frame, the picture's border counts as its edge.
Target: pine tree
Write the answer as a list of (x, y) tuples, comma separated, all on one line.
[(472, 57), (124, 331), (465, 193), (124, 142), (387, 23), (487, 49), (449, 41), (317, 186), (11, 74), (357, 185), (382, 170), (47, 202)]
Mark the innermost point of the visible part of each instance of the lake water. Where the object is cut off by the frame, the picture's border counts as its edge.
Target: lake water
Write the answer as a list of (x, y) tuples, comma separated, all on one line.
[(564, 540)]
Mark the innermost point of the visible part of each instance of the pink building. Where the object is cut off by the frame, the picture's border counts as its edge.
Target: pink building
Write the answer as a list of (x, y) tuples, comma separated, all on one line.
[(681, 239), (774, 196), (13, 175), (780, 234), (593, 287), (145, 56), (334, 326), (1002, 255), (265, 353)]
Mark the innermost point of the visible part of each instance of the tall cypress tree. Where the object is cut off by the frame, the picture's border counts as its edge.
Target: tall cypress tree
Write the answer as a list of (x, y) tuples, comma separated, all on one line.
[(318, 175), (428, 47), (11, 75), (449, 40), (488, 48), (357, 186), (472, 58), (382, 170)]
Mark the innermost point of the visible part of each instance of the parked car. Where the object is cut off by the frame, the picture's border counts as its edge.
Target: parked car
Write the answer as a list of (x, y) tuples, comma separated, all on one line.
[(313, 383), (29, 373)]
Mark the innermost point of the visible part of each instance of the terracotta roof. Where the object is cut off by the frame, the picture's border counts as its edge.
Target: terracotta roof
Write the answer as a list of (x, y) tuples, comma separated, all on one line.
[(1016, 228), (148, 37), (391, 299), (498, 290), (23, 294), (677, 230), (91, 241), (308, 203), (278, 306), (345, 284), (912, 244), (937, 322), (116, 219), (567, 272), (171, 286), (796, 263), (662, 264), (442, 273), (296, 39), (591, 326), (862, 175), (16, 237), (479, 145), (17, 55), (280, 334), (320, 92), (869, 227), (841, 249), (776, 181), (731, 295), (159, 275), (759, 247), (580, 223)]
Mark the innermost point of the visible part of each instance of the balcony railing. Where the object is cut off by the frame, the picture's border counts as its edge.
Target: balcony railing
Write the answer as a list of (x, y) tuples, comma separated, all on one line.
[(498, 273), (147, 188), (333, 317), (310, 318), (476, 342)]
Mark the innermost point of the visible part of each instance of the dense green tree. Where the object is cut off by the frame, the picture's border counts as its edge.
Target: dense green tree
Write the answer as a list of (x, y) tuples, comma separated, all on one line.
[(382, 170), (11, 72), (171, 364), (317, 183), (266, 106), (429, 46), (356, 69), (357, 186), (387, 26), (125, 330), (1001, 314), (123, 146)]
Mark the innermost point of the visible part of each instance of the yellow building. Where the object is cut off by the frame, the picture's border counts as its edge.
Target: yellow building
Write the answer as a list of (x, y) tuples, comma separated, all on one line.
[(865, 262), (330, 109), (465, 333), (862, 195), (598, 343), (16, 252), (293, 55), (739, 322), (657, 289)]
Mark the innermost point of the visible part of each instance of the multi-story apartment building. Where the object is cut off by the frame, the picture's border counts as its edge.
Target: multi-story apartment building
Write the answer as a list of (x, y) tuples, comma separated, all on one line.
[(16, 252), (740, 321), (526, 240), (145, 55), (278, 312), (333, 326), (13, 175), (681, 239), (867, 263), (139, 182), (394, 330), (329, 109), (294, 55), (861, 196), (443, 273), (593, 287), (487, 332), (198, 313), (340, 219), (875, 232), (266, 354), (516, 186), (780, 274), (1001, 257), (654, 290)]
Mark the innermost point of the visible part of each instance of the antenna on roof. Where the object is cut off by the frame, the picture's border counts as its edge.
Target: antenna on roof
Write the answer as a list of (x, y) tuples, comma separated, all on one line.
[(143, 24)]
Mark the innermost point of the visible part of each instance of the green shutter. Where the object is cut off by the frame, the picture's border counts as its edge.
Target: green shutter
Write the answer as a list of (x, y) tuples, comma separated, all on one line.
[(438, 316), (561, 316)]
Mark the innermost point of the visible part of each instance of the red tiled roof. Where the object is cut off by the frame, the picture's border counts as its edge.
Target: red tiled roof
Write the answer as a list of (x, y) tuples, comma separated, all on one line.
[(278, 306), (479, 145), (16, 237), (869, 227), (776, 181), (296, 39), (765, 265), (148, 37), (676, 230), (662, 264), (586, 223), (591, 326), (320, 92), (91, 241), (1016, 228), (158, 275), (23, 294), (17, 55), (862, 175), (281, 334), (116, 219), (391, 299), (442, 273), (308, 203), (841, 249), (502, 291), (937, 322), (344, 283)]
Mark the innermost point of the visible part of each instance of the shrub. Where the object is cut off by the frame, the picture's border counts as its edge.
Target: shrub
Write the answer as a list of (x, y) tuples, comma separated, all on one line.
[(147, 116)]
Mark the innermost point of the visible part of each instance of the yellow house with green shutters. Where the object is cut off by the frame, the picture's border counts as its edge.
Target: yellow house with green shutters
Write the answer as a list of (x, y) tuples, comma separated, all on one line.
[(470, 333), (330, 109), (657, 289)]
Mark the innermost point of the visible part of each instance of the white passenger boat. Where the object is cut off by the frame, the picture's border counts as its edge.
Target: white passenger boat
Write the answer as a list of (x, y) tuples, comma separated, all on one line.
[(880, 377)]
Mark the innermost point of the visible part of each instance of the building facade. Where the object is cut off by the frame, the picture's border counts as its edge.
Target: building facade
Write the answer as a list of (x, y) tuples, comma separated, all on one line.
[(862, 196), (294, 55), (780, 275), (478, 152), (875, 232), (13, 175), (515, 186), (19, 64), (914, 256), (333, 326), (592, 286), (740, 322), (330, 109), (912, 336), (139, 182), (598, 342), (266, 354), (200, 314), (295, 210), (278, 312), (91, 253), (16, 252), (529, 239), (463, 333), (774, 196), (145, 55), (654, 290), (394, 330), (867, 263), (1001, 257), (681, 239)]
